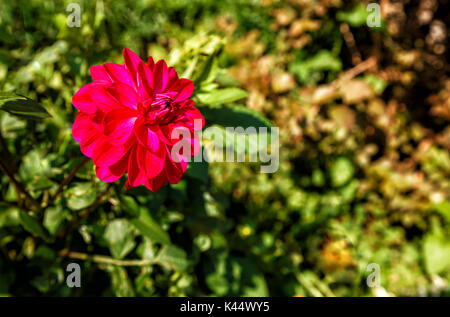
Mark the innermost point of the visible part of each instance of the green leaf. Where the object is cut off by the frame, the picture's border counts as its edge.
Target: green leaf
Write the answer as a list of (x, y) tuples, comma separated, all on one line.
[(33, 166), (443, 208), (130, 205), (254, 282), (341, 171), (172, 257), (23, 107), (9, 216), (208, 71), (355, 17), (310, 70), (215, 272), (245, 141), (6, 279), (120, 238), (235, 116), (377, 84), (233, 276), (7, 96), (81, 195), (318, 178), (239, 142), (436, 248), (198, 170), (146, 249), (31, 224), (221, 96), (148, 227), (120, 282), (53, 218)]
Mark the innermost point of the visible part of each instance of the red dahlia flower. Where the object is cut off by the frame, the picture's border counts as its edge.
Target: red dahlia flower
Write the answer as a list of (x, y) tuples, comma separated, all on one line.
[(131, 119)]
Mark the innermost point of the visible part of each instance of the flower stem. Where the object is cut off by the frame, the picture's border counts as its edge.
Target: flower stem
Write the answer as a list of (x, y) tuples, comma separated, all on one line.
[(104, 259), (67, 180), (19, 186), (8, 156)]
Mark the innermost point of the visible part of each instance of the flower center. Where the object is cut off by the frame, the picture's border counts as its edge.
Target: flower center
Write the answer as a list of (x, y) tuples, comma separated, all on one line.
[(157, 108)]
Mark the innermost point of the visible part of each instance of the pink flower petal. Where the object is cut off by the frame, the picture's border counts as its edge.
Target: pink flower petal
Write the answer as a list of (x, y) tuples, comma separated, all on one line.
[(131, 62), (88, 144), (160, 76), (150, 162), (150, 62), (172, 136), (81, 127), (119, 73), (136, 176), (185, 143), (99, 73), (119, 125), (85, 132), (194, 117), (173, 77), (145, 85), (106, 154), (184, 87), (157, 182), (147, 136), (124, 94), (94, 96), (174, 171), (162, 133), (112, 173)]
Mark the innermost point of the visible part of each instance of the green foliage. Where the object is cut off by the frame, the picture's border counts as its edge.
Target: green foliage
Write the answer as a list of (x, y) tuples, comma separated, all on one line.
[(377, 83), (80, 195), (172, 257), (310, 70), (354, 17), (221, 96), (119, 235), (341, 171), (150, 229), (32, 225), (235, 116), (22, 107), (436, 250)]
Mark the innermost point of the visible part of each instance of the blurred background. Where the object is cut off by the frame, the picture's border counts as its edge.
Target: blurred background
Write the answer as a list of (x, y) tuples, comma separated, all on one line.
[(360, 205)]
